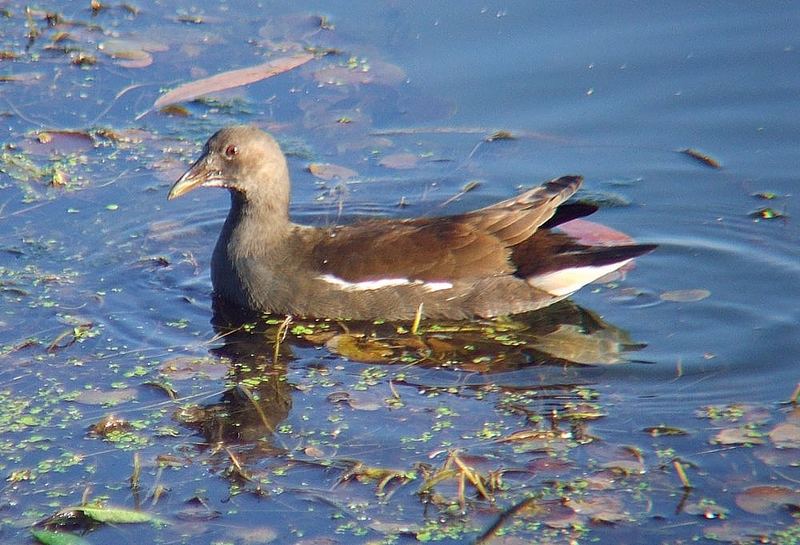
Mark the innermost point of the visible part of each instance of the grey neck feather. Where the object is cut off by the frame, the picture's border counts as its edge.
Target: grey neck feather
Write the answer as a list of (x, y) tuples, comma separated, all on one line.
[(255, 223)]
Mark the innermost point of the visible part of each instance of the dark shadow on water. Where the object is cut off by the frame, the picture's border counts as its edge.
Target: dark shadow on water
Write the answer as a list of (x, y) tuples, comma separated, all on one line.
[(564, 333), (262, 349)]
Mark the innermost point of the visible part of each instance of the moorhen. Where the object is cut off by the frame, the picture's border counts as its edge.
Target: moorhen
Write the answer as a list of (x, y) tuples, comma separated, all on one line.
[(503, 259)]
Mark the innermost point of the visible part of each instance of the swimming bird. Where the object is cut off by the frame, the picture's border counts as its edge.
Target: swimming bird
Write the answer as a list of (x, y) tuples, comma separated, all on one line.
[(505, 258)]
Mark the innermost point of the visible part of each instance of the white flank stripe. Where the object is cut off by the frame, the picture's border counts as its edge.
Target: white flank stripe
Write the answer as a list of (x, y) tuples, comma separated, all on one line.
[(383, 283), (437, 286), (368, 285), (568, 281)]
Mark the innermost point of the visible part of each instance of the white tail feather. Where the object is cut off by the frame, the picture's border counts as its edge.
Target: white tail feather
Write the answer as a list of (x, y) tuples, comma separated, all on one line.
[(566, 281)]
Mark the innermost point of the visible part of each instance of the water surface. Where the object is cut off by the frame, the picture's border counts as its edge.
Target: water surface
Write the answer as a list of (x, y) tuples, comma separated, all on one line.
[(106, 306)]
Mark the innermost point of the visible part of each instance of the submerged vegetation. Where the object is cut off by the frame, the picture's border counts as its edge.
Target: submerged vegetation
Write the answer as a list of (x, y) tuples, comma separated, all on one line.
[(389, 450), (126, 417)]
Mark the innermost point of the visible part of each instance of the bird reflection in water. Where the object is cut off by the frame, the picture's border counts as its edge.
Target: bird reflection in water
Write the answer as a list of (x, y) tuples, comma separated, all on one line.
[(473, 354)]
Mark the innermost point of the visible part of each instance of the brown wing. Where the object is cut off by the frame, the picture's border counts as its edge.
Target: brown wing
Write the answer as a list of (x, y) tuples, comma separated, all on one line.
[(516, 220), (467, 246), (438, 249)]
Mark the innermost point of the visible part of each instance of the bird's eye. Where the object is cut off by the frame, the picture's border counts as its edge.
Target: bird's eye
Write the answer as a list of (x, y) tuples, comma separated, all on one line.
[(231, 151)]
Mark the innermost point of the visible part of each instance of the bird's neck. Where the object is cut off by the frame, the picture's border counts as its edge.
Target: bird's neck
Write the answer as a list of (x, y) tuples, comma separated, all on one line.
[(256, 225)]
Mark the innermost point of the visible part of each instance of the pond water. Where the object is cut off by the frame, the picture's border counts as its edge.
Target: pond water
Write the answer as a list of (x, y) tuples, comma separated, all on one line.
[(124, 388)]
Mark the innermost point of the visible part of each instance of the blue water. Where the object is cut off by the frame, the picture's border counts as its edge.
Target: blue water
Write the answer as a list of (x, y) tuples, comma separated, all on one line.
[(609, 91)]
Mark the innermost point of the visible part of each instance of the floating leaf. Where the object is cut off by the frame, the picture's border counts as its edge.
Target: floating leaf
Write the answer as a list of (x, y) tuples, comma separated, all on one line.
[(163, 387), (559, 516), (363, 473), (338, 397), (766, 195), (735, 412), (105, 397), (685, 296), (177, 110), (84, 59), (360, 72), (25, 78), (58, 142), (626, 467), (662, 430), (533, 435), (194, 19), (604, 199), (58, 538), (167, 460), (500, 135), (329, 171), (778, 457), (359, 349), (231, 79), (399, 161), (197, 510), (260, 535), (768, 213), (131, 53), (393, 528), (115, 515), (761, 500), (738, 532), (313, 452), (320, 337), (294, 26), (706, 509), (786, 435), (188, 367), (548, 464), (109, 423), (738, 436), (360, 401), (539, 441), (364, 401), (607, 509), (702, 158), (59, 178)]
